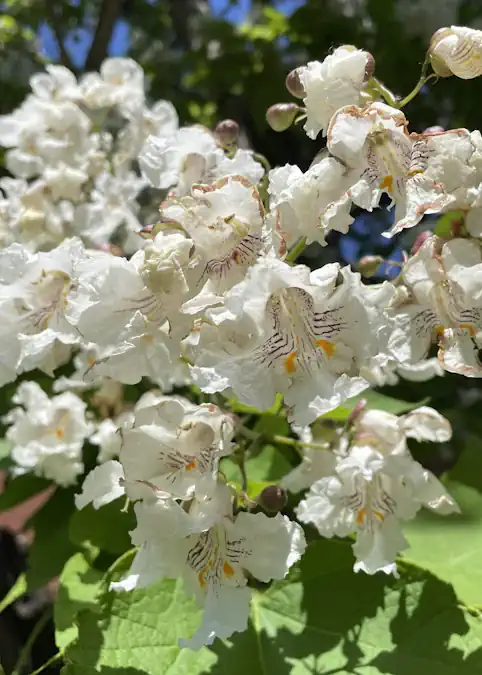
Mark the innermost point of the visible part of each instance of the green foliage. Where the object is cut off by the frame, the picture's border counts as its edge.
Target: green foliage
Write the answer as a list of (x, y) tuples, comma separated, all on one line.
[(106, 529), (374, 399), (79, 588), (323, 618), (20, 489), (51, 547), (17, 590)]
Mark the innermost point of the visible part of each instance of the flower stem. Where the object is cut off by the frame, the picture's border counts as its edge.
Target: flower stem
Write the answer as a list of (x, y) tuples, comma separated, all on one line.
[(296, 251), (52, 659), (422, 81), (27, 648)]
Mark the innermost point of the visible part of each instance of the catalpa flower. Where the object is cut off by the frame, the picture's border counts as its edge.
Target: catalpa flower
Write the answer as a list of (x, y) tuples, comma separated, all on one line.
[(282, 329), (442, 304), (302, 204), (35, 295), (225, 224), (192, 156), (457, 50), (213, 550), (331, 84), (171, 445), (47, 435), (419, 172), (375, 483)]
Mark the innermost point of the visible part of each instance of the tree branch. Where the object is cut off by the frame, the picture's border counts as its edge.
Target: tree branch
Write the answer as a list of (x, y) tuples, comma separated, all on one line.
[(56, 26), (109, 13)]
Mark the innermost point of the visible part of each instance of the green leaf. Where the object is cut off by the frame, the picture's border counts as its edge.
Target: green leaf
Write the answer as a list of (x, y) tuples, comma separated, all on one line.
[(5, 449), (468, 469), (22, 488), (451, 546), (374, 400), (136, 633), (106, 529), (79, 588), (447, 222), (17, 590), (51, 547), (264, 468), (322, 619)]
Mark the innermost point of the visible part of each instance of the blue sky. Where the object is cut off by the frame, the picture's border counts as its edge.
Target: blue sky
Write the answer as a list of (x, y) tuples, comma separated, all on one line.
[(78, 44)]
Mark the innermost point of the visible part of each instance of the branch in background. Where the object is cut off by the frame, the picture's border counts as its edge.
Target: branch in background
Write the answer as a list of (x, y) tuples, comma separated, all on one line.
[(110, 11), (55, 23)]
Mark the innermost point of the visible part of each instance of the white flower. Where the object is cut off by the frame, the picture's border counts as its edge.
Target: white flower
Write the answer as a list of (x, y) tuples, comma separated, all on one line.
[(47, 434), (35, 292), (191, 156), (375, 483), (331, 84), (443, 305), (225, 223), (181, 159), (285, 330), (120, 82), (459, 50), (214, 561), (420, 172), (301, 202)]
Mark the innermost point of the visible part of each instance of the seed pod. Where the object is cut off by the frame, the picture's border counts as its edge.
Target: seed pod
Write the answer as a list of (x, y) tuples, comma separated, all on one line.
[(368, 265)]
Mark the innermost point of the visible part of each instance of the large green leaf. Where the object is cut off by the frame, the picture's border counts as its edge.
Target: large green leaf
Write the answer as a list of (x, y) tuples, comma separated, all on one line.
[(451, 546), (468, 469), (51, 547), (79, 587), (106, 528), (323, 619), (17, 590)]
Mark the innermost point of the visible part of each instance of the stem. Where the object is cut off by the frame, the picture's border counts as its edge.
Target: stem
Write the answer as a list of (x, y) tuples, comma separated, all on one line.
[(52, 659), (375, 85), (422, 81), (27, 648), (263, 161), (296, 251)]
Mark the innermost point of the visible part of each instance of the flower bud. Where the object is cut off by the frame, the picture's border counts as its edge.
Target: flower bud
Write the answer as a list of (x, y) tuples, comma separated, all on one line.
[(282, 115), (273, 498), (293, 83), (420, 241), (456, 51), (369, 67), (227, 132), (368, 265)]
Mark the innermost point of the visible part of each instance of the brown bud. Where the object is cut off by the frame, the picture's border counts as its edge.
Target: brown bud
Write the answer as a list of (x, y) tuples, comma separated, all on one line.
[(369, 67), (227, 132), (273, 498), (282, 115), (420, 241), (368, 265), (293, 83)]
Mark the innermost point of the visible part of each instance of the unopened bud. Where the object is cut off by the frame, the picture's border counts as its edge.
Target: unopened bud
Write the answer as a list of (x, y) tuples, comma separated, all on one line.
[(294, 84), (456, 51), (282, 115), (273, 498), (368, 265), (357, 411), (369, 67), (420, 241), (439, 67), (227, 132)]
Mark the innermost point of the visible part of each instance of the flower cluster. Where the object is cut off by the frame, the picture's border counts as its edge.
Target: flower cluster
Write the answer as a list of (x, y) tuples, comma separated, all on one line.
[(207, 295)]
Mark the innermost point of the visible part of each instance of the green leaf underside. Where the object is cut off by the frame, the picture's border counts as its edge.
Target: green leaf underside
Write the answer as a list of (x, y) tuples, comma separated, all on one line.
[(322, 619), (79, 588), (451, 546), (374, 400)]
